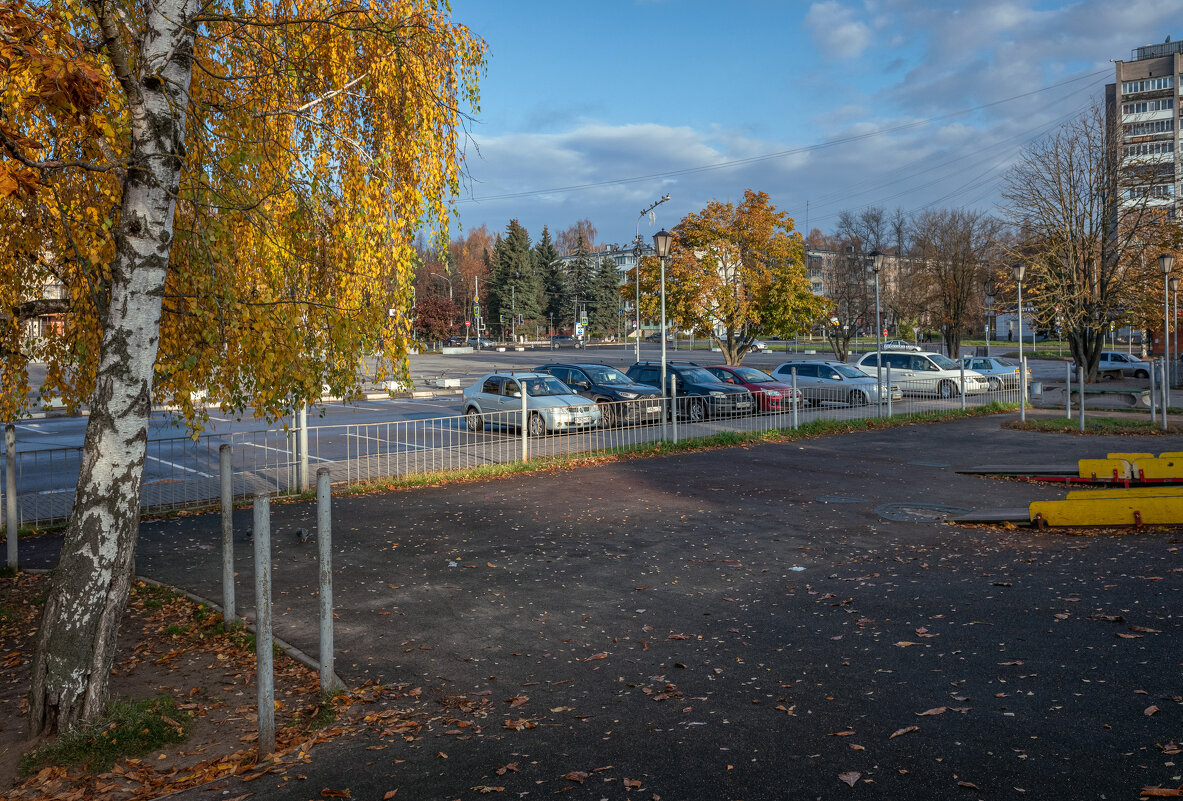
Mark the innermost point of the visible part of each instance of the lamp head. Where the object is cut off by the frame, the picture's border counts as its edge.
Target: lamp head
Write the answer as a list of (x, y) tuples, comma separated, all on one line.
[(661, 243), (1166, 261), (1019, 270), (1173, 283), (876, 260)]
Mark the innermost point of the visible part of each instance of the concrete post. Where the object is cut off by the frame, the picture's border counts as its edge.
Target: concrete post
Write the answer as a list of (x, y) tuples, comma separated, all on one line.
[(265, 676), (324, 541), (1082, 401), (674, 393), (1153, 393), (961, 366), (1022, 384), (795, 412), (225, 476), (10, 493), (888, 390), (1166, 392)]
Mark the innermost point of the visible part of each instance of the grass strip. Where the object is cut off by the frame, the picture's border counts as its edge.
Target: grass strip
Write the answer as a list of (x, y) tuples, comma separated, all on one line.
[(1102, 426)]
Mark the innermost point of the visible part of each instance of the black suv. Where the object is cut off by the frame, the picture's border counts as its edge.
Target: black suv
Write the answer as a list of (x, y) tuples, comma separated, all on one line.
[(621, 399), (699, 394)]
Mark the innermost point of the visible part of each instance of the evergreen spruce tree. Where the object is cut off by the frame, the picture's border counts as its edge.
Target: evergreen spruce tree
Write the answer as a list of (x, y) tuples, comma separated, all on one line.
[(514, 283), (581, 282), (604, 308), (554, 298)]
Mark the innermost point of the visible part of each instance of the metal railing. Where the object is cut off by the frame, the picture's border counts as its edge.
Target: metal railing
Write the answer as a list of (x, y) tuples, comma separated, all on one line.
[(183, 472)]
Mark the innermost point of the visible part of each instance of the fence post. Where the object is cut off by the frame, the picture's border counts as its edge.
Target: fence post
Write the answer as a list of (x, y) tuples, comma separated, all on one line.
[(10, 492), (1068, 391), (1022, 387), (324, 541), (525, 424), (795, 413), (1153, 393), (961, 367), (888, 391), (674, 393), (1082, 401), (1166, 391), (225, 477), (264, 671), (304, 447)]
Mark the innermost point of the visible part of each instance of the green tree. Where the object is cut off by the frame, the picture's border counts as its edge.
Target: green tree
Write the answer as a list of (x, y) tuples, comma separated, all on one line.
[(603, 312), (514, 287), (581, 281), (553, 279)]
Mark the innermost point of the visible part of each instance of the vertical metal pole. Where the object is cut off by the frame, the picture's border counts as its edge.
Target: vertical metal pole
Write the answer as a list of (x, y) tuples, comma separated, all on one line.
[(304, 447), (878, 348), (1166, 392), (324, 541), (10, 492), (664, 388), (637, 308), (674, 394), (961, 366), (1068, 392), (795, 412), (1022, 364), (888, 390), (525, 424), (265, 678), (1166, 343), (225, 476), (1082, 401), (1153, 392)]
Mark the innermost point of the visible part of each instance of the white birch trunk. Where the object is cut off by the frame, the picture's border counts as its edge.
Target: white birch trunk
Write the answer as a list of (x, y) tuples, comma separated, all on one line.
[(76, 642)]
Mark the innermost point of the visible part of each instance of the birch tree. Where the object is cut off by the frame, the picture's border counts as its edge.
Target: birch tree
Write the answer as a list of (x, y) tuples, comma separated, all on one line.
[(228, 194)]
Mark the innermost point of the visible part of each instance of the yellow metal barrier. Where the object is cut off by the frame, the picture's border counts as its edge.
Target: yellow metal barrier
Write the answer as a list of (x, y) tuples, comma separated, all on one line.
[(1130, 457), (1170, 467), (1162, 490), (1103, 468), (1123, 511)]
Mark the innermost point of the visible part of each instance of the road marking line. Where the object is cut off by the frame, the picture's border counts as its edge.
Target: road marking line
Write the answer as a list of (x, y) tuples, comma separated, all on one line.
[(34, 427), (413, 445), (179, 466), (280, 450)]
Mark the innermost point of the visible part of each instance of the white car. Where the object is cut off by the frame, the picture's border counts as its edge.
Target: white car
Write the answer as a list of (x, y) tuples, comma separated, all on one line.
[(757, 346), (1114, 364), (550, 404), (899, 344), (924, 373)]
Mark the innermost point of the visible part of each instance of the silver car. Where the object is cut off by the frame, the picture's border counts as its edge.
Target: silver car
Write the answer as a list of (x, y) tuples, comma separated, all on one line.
[(1114, 364), (924, 373), (835, 382), (550, 404), (999, 373), (900, 344)]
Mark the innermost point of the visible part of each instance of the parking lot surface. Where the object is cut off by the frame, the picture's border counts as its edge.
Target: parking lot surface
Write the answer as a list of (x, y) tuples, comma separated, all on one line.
[(747, 623)]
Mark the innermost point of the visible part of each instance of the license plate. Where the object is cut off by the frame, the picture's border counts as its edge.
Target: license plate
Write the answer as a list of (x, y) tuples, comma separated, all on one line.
[(743, 404), (652, 409)]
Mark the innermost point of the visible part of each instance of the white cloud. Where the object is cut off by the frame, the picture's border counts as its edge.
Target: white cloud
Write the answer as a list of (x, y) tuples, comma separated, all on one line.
[(836, 30)]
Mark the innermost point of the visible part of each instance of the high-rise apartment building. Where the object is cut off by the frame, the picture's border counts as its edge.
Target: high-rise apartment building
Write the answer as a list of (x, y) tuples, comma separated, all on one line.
[(1143, 109)]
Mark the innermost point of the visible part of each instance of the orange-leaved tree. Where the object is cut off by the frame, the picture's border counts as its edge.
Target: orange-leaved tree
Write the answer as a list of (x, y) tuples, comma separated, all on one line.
[(734, 273), (218, 196)]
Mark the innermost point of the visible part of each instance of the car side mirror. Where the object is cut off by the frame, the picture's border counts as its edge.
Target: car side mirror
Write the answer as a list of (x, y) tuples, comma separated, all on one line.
[(517, 393)]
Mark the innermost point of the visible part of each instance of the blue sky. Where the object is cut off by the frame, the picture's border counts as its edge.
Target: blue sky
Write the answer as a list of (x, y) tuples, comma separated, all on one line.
[(838, 103)]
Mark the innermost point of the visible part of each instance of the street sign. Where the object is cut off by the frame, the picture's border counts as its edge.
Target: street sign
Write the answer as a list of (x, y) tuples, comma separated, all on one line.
[(579, 329), (583, 318)]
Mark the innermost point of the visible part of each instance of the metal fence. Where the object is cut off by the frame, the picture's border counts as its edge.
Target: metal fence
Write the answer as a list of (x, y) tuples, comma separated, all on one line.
[(182, 472)]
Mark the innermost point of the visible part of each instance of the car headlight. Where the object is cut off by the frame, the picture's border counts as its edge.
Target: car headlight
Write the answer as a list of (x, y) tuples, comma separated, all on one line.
[(772, 393), (718, 394), (627, 395)]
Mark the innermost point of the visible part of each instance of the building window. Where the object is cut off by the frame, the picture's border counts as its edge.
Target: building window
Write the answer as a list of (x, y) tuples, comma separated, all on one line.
[(1156, 191), (1144, 106), (1149, 148), (1146, 128), (1148, 85)]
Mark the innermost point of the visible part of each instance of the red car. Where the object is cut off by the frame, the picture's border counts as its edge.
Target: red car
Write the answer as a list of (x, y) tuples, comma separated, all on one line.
[(768, 393)]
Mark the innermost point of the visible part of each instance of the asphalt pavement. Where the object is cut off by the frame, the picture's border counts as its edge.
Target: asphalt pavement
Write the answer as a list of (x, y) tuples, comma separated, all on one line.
[(749, 623)]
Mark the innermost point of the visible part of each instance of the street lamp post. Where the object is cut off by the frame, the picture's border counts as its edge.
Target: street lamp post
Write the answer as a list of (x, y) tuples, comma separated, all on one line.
[(637, 252), (661, 243), (876, 266), (1166, 261), (1174, 283), (989, 312), (1019, 270)]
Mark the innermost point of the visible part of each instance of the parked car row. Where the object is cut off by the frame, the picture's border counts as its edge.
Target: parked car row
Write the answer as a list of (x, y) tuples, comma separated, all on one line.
[(565, 396)]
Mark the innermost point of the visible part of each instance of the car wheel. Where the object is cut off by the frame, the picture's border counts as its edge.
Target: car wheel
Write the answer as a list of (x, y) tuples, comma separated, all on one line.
[(608, 416), (1141, 374), (946, 389), (995, 385), (696, 411), (857, 398), (536, 426), (473, 420)]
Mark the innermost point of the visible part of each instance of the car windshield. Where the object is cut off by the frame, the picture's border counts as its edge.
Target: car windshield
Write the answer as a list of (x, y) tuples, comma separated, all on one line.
[(542, 387), (696, 375), (606, 375), (848, 371), (750, 375), (943, 362)]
